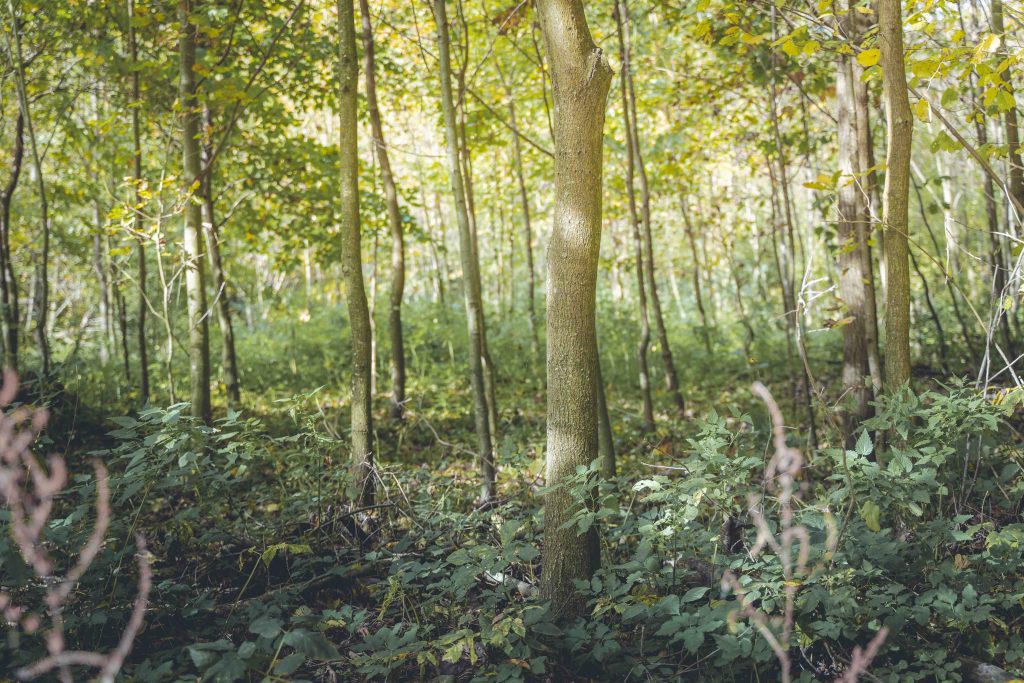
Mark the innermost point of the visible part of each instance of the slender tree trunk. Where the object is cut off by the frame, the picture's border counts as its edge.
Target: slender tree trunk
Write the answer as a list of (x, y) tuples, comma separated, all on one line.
[(140, 325), (852, 216), (222, 298), (1010, 117), (605, 441), (867, 188), (788, 262), (581, 78), (638, 244), (99, 267), (8, 283), (470, 265), (195, 275), (352, 258), (899, 128), (671, 376), (40, 296), (394, 221), (692, 240), (524, 203)]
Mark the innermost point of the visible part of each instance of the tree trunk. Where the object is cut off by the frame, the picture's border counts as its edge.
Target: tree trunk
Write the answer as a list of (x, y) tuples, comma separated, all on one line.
[(605, 441), (140, 325), (692, 240), (352, 258), (638, 244), (899, 128), (470, 265), (852, 216), (9, 316), (195, 275), (580, 78), (1010, 118), (524, 202), (40, 296), (222, 299), (394, 221), (671, 376), (867, 188)]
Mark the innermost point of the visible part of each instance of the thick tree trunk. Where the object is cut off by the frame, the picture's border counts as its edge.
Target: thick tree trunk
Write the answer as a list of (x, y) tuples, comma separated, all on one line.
[(195, 272), (352, 258), (638, 243), (394, 222), (470, 265), (671, 376), (581, 78), (9, 315), (899, 128), (222, 300), (852, 216), (143, 303)]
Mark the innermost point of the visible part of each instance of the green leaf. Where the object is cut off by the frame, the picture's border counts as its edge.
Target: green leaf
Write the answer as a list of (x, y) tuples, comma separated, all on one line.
[(312, 644), (864, 445), (870, 512), (265, 626), (695, 594)]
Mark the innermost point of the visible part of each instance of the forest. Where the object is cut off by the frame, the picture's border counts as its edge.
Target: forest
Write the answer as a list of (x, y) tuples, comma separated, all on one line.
[(512, 340)]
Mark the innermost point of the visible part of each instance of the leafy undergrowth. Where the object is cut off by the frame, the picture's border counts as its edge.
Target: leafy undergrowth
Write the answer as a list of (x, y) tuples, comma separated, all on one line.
[(261, 574)]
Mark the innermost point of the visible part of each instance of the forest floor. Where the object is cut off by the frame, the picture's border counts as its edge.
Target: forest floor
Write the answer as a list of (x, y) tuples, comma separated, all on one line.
[(262, 572)]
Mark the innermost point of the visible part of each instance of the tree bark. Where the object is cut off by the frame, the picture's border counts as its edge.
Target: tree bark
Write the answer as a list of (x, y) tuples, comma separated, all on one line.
[(470, 265), (195, 272), (899, 129), (394, 221), (580, 79), (352, 258)]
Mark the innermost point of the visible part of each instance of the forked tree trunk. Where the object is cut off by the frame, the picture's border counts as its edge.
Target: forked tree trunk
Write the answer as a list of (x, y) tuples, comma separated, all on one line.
[(671, 376), (195, 272), (352, 256), (899, 128), (470, 265), (580, 78), (394, 221), (638, 244)]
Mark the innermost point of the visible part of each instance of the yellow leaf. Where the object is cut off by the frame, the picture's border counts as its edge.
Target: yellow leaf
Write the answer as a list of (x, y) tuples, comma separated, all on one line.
[(923, 110), (790, 48), (869, 57)]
